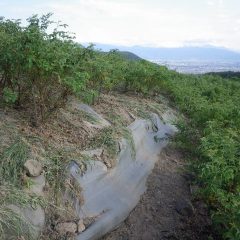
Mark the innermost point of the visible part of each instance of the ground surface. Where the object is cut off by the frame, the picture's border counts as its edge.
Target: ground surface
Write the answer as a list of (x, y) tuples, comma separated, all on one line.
[(69, 131), (156, 216)]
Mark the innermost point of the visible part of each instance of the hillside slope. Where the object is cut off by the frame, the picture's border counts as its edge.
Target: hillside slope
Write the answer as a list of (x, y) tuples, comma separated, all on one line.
[(130, 55), (68, 137)]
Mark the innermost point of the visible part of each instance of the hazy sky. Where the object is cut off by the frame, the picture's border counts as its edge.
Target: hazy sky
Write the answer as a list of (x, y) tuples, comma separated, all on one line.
[(141, 22)]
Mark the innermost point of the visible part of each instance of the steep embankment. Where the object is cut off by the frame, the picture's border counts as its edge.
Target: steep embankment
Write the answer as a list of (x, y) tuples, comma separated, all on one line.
[(79, 138)]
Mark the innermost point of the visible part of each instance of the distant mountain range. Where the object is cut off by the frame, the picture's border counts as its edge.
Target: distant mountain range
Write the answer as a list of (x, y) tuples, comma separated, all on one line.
[(208, 53)]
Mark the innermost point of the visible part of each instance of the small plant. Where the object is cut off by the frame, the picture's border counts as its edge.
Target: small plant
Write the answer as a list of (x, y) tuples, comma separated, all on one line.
[(56, 172), (128, 136), (12, 160), (88, 117), (89, 96), (9, 96), (12, 221), (106, 139)]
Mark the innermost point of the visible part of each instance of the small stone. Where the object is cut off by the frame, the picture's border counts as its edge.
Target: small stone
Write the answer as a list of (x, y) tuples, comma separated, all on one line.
[(81, 226), (184, 207), (35, 217), (33, 168), (38, 184), (66, 227)]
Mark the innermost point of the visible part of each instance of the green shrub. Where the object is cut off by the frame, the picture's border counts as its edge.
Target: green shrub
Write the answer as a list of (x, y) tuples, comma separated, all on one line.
[(212, 134), (9, 96)]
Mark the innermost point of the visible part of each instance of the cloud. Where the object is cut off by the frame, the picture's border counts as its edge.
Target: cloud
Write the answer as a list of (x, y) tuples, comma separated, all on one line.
[(141, 22), (211, 2)]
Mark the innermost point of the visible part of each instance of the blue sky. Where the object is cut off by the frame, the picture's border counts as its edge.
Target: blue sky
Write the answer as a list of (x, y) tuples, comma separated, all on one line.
[(168, 23)]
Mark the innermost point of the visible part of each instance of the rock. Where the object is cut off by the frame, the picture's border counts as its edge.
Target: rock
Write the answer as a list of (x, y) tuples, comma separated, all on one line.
[(100, 121), (184, 207), (66, 227), (81, 226), (33, 168), (38, 184), (36, 217)]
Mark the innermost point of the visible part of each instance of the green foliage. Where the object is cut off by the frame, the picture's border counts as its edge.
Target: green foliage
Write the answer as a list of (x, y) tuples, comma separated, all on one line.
[(56, 173), (37, 64), (105, 139), (40, 66), (212, 134), (9, 96), (88, 96)]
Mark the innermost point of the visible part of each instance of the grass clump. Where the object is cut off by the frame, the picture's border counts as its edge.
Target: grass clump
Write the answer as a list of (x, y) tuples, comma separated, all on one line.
[(11, 221), (129, 137), (57, 175), (106, 139), (115, 119), (88, 117), (12, 160), (121, 130)]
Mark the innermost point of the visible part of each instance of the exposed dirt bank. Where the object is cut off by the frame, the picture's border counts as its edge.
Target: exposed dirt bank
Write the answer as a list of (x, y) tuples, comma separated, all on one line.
[(165, 210)]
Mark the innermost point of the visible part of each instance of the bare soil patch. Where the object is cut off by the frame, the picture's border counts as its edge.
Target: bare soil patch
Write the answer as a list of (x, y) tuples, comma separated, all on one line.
[(167, 209)]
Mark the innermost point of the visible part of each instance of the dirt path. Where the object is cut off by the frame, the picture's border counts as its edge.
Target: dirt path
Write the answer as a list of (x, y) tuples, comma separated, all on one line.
[(165, 210)]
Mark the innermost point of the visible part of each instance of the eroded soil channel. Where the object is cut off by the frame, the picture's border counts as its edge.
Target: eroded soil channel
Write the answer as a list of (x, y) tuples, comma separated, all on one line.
[(167, 209)]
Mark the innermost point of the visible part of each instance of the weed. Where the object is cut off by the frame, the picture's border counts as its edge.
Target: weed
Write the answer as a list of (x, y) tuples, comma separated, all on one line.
[(128, 136), (12, 160), (88, 117), (57, 175), (114, 118), (10, 220), (105, 139)]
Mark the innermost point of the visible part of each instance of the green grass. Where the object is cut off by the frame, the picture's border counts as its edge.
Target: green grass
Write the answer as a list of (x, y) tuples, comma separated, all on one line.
[(10, 221), (88, 117), (114, 118), (12, 160), (106, 139), (57, 176), (128, 136)]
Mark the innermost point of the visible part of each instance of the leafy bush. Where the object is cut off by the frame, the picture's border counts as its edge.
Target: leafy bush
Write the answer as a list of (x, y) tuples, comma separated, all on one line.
[(9, 96), (212, 133), (38, 65)]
